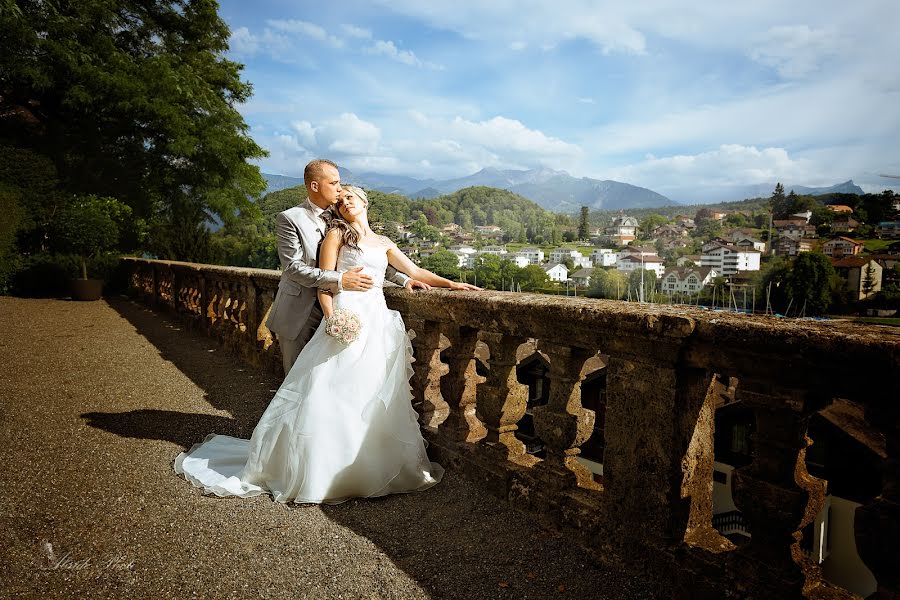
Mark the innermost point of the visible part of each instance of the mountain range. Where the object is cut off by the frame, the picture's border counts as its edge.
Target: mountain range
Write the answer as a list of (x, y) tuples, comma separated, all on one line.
[(553, 190), (556, 191)]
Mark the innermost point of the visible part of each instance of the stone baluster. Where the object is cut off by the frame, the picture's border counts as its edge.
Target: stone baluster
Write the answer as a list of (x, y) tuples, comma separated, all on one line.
[(178, 304), (427, 372), (877, 524), (776, 493), (154, 285), (204, 298), (563, 424), (502, 400), (458, 385)]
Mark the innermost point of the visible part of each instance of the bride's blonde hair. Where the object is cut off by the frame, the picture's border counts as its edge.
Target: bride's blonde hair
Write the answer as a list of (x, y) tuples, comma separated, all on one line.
[(334, 220)]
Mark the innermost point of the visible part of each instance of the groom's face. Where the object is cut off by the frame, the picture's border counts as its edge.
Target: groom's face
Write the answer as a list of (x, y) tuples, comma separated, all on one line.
[(328, 184)]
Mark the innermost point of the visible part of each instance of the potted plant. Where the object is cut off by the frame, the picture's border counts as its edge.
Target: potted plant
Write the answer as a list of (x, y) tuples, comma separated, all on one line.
[(87, 227)]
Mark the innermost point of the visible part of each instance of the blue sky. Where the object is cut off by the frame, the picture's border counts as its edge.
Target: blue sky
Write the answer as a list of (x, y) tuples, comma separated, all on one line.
[(660, 94)]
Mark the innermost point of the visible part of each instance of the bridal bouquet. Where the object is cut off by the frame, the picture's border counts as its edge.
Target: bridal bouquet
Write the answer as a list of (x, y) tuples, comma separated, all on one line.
[(343, 325)]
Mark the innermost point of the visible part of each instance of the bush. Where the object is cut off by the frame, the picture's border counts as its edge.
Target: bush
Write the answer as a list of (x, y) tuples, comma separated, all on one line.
[(44, 275)]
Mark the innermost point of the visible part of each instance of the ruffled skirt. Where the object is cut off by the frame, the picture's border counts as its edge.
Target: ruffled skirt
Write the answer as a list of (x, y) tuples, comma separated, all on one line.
[(340, 426)]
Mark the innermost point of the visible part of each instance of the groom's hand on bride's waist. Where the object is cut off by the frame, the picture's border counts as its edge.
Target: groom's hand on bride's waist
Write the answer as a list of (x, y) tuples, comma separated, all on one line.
[(355, 280)]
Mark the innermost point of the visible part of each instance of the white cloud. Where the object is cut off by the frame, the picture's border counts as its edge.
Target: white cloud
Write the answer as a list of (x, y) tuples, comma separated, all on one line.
[(356, 32), (310, 30), (418, 145), (243, 42), (730, 164), (797, 51), (348, 135), (517, 45), (586, 100), (407, 57)]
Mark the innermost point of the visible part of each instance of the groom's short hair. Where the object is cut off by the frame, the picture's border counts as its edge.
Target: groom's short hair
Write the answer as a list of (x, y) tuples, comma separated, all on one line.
[(314, 169)]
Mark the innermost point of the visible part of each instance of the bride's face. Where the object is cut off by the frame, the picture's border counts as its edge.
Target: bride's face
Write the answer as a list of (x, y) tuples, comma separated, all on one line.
[(350, 206)]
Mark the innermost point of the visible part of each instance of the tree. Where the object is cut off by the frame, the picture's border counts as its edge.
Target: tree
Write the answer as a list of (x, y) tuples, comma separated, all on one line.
[(779, 203), (869, 282), (533, 278), (89, 226), (584, 231), (651, 222), (736, 219), (132, 100), (487, 270), (555, 238), (607, 284), (443, 263), (810, 282)]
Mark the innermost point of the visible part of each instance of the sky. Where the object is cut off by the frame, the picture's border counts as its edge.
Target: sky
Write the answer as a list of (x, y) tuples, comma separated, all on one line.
[(661, 94)]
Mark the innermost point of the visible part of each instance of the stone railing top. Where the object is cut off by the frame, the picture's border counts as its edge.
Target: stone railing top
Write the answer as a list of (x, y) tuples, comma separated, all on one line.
[(835, 356)]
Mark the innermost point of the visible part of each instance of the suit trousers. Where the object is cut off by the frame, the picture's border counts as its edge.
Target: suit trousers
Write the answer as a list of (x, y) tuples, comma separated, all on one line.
[(290, 349)]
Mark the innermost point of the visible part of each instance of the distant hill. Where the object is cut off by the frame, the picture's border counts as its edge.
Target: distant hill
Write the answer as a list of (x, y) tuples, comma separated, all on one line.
[(711, 194), (276, 183), (556, 191)]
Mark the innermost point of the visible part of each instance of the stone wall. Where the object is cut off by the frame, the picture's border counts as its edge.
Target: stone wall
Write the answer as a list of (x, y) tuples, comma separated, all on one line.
[(652, 508)]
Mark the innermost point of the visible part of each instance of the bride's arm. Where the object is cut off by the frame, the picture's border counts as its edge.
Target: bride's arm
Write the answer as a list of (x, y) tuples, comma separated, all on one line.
[(401, 262), (328, 252)]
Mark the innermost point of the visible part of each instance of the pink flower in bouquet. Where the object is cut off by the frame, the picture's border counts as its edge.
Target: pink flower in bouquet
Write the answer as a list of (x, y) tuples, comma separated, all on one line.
[(344, 325)]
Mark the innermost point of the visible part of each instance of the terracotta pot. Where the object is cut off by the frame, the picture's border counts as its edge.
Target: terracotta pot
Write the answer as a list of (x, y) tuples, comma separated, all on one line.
[(87, 289)]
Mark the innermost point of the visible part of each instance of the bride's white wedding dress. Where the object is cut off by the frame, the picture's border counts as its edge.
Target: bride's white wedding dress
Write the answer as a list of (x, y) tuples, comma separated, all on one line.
[(340, 426)]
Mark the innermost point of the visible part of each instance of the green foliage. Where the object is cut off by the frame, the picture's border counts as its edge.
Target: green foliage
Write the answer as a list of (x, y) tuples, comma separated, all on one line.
[(131, 100), (583, 225), (532, 278), (611, 284), (89, 226), (806, 286), (651, 222), (443, 263), (736, 219), (491, 206)]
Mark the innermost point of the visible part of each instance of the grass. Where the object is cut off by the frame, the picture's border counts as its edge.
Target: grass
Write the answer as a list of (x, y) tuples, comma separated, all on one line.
[(876, 245)]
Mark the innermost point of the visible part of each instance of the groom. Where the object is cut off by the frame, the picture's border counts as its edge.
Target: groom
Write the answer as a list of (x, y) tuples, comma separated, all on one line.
[(296, 314)]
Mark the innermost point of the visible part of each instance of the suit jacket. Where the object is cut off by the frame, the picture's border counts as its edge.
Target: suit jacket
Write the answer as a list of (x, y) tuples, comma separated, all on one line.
[(299, 231)]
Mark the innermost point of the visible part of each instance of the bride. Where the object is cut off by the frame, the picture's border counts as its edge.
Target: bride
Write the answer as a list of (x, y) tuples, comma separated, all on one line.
[(341, 425)]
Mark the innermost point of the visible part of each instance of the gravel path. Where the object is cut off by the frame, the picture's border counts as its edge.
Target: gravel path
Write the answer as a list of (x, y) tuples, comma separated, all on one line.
[(97, 399)]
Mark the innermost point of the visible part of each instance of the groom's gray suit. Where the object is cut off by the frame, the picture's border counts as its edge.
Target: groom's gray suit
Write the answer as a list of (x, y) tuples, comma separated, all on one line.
[(295, 313)]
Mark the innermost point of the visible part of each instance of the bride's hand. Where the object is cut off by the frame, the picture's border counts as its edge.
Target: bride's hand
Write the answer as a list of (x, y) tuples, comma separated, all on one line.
[(468, 287), (412, 284)]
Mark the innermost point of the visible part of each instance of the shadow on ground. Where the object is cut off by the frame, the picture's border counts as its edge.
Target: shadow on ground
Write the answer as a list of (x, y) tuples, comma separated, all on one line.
[(227, 384)]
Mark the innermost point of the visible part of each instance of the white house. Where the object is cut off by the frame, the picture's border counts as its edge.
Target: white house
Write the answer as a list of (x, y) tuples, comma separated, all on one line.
[(630, 263), (604, 257), (519, 259), (558, 255), (622, 230), (686, 280), (498, 250), (751, 243), (535, 256), (582, 276), (728, 260), (583, 262), (688, 260), (465, 260), (556, 271), (463, 248)]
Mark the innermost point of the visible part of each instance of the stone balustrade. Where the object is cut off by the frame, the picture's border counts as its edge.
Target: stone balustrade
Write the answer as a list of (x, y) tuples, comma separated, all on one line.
[(651, 508)]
